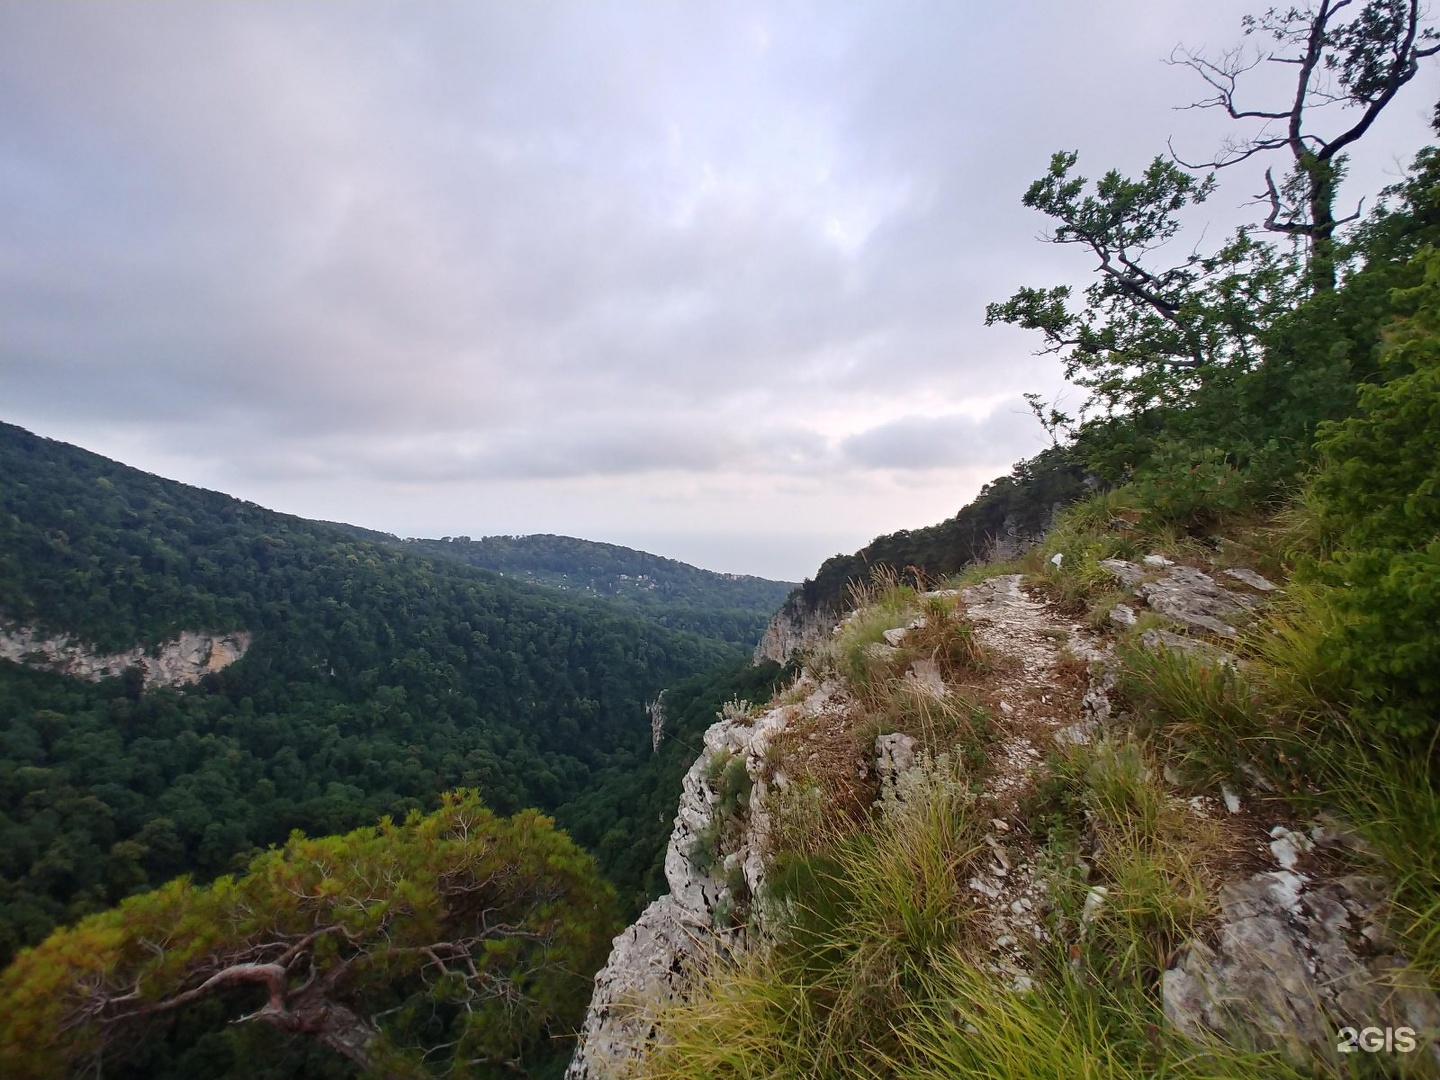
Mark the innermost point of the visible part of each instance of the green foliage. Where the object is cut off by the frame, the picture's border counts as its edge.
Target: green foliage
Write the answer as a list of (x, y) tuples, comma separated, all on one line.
[(969, 1023), (731, 607), (1394, 799), (1378, 496), (1144, 889), (1190, 489), (376, 679), (456, 941), (1146, 335)]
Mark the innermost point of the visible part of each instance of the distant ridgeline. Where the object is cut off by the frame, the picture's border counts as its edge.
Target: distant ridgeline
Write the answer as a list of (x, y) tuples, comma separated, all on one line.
[(732, 607), (374, 678), (1009, 513)]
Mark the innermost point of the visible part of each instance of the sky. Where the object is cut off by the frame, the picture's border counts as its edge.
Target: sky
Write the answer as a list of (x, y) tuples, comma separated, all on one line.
[(706, 279)]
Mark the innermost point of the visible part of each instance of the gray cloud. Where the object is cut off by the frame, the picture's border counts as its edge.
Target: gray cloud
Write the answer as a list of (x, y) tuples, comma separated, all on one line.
[(917, 443), (379, 259)]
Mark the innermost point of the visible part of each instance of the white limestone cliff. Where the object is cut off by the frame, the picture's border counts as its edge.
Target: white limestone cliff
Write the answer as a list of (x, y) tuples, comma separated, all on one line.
[(181, 661)]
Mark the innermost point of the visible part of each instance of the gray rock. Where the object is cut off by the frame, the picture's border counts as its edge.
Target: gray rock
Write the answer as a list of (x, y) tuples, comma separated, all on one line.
[(1193, 599), (925, 676), (894, 755), (1231, 798), (881, 652), (1154, 639), (1251, 578), (1293, 961), (656, 711), (897, 634), (1123, 615), (794, 629), (179, 662), (651, 963), (1288, 845), (1127, 573)]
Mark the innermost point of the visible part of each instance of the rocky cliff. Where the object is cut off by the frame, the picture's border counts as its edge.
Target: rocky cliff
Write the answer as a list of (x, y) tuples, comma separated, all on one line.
[(1292, 952), (174, 663), (793, 631)]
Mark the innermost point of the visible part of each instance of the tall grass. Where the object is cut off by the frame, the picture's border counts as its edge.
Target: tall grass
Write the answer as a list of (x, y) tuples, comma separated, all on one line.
[(1143, 885), (1393, 801), (864, 920), (968, 1024)]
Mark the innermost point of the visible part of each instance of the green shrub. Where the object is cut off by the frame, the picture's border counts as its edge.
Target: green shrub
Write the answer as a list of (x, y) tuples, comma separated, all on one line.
[(1379, 495), (1188, 487)]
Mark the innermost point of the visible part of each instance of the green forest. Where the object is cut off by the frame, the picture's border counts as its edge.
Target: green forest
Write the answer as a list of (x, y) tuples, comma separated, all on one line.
[(401, 829), (377, 679), (731, 607)]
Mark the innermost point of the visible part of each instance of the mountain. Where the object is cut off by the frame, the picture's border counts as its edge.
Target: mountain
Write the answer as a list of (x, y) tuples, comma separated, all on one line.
[(733, 607), (332, 679), (1010, 513)]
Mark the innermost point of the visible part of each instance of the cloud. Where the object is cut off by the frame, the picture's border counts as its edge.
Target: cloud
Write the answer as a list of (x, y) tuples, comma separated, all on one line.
[(917, 443), (381, 248)]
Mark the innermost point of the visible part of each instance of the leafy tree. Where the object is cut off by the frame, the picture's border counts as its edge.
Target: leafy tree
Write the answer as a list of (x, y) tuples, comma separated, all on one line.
[(1146, 332), (1360, 63), (455, 943)]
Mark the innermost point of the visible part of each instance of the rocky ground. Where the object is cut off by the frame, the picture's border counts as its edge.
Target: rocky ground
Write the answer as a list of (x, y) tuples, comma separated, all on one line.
[(1295, 953)]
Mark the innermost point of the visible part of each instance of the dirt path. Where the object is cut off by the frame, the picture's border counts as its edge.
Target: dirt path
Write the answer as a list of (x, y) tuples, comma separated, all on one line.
[(1039, 687), (1040, 693)]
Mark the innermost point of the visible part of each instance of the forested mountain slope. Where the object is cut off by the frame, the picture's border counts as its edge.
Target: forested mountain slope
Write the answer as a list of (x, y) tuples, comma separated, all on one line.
[(376, 680), (733, 607), (1009, 513)]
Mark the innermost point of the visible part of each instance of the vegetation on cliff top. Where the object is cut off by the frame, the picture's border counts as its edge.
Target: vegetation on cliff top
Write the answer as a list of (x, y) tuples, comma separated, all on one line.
[(1267, 409)]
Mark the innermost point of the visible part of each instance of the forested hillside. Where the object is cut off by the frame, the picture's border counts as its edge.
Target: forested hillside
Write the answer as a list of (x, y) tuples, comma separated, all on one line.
[(1009, 512), (376, 680), (733, 607)]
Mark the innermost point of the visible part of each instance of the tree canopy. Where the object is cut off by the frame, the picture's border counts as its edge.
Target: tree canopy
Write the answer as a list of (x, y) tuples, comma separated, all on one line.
[(455, 943), (376, 679)]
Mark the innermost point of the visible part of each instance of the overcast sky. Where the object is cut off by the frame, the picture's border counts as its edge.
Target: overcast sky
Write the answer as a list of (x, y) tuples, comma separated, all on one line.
[(702, 278)]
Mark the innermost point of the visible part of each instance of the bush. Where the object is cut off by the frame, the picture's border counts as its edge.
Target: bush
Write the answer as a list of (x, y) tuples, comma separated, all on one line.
[(1188, 488), (1379, 493)]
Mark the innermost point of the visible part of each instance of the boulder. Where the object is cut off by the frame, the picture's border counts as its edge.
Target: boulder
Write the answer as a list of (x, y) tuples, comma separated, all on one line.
[(1292, 961)]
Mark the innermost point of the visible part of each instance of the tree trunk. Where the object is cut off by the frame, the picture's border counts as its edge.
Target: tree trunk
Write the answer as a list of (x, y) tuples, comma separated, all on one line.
[(1320, 267), (332, 1025)]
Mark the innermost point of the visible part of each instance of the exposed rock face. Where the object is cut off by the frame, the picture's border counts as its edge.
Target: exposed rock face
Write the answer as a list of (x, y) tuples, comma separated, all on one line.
[(794, 629), (1188, 596), (175, 663), (1294, 961), (656, 711), (1291, 959), (652, 962), (894, 756), (1013, 539)]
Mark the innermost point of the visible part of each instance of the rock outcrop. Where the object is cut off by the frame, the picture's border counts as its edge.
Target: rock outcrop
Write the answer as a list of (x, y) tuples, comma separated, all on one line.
[(178, 662), (793, 629), (1292, 957), (1296, 959), (713, 866), (1189, 597)]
